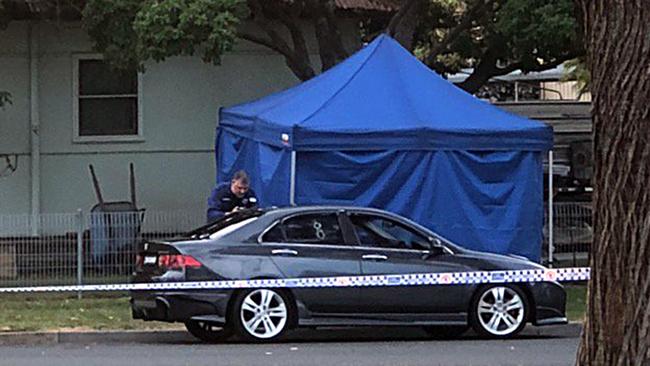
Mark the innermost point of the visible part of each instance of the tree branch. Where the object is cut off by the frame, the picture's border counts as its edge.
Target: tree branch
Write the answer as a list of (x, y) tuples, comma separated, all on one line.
[(335, 33), (402, 25), (299, 66), (330, 45), (289, 20), (263, 42), (466, 22), (487, 69)]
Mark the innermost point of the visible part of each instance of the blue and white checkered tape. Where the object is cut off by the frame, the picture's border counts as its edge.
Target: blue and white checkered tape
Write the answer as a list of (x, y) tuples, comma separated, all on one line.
[(415, 279)]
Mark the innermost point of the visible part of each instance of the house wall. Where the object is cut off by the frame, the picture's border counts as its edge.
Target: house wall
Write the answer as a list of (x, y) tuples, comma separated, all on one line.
[(174, 165)]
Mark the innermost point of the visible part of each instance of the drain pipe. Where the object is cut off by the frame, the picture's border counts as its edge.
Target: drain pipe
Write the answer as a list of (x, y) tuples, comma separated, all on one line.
[(34, 127)]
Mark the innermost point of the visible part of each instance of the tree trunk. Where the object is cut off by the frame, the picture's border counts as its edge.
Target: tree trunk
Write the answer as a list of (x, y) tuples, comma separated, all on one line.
[(402, 25), (617, 328)]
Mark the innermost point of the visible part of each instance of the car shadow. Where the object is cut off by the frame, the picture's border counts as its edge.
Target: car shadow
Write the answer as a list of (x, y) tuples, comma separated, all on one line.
[(389, 334)]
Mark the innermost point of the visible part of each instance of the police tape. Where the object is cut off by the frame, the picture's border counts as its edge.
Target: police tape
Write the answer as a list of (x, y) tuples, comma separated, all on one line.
[(414, 279)]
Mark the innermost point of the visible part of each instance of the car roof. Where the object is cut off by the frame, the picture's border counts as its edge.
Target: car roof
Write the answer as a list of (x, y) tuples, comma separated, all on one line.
[(299, 209)]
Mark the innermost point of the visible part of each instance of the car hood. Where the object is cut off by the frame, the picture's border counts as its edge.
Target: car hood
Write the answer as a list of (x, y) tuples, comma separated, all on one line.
[(482, 261)]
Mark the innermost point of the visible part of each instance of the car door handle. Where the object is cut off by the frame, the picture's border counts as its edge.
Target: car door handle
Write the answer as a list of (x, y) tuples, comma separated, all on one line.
[(374, 257), (284, 252)]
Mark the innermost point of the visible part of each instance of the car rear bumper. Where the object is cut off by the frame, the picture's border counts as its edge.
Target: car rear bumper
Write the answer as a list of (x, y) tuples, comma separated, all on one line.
[(180, 307)]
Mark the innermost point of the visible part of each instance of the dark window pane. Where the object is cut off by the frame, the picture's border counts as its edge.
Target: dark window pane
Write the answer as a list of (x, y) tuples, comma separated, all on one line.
[(274, 235), (385, 233), (108, 116), (314, 228), (96, 78)]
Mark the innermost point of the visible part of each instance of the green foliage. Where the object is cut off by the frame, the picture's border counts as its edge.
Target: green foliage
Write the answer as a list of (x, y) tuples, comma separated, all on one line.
[(529, 33), (131, 32), (535, 30)]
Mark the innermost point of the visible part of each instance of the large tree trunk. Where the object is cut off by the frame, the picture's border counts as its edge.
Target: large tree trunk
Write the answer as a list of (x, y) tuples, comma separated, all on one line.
[(617, 328)]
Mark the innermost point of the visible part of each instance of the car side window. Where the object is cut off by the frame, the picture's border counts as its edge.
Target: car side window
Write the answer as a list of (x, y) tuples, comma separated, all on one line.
[(274, 235), (377, 231), (313, 229)]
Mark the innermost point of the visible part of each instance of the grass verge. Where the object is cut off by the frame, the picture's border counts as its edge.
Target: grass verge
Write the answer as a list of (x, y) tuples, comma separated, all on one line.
[(576, 301), (44, 312)]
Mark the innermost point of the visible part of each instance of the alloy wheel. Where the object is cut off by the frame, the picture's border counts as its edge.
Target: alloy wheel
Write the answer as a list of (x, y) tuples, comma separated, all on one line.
[(263, 314), (501, 311)]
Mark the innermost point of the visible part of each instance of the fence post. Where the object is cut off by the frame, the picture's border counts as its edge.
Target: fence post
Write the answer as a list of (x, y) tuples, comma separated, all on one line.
[(80, 247), (550, 208)]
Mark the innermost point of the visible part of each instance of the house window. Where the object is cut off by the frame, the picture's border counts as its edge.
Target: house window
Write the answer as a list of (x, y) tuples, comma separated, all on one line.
[(106, 102)]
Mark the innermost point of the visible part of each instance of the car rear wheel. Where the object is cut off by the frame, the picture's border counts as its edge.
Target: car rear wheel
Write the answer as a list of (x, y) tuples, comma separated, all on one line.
[(499, 311), (261, 314), (207, 332)]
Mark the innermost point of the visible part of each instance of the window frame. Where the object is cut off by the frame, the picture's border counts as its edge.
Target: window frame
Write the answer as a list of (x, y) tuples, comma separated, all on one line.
[(76, 137), (399, 223), (281, 222)]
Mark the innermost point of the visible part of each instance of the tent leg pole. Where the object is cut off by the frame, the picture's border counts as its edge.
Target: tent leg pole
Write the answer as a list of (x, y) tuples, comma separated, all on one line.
[(292, 183), (550, 208)]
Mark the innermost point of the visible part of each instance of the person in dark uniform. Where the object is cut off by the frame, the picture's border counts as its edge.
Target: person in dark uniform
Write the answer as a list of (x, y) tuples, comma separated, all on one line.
[(231, 197)]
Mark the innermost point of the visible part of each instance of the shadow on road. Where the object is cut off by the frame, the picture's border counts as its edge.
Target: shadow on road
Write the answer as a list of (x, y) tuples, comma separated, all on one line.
[(389, 334)]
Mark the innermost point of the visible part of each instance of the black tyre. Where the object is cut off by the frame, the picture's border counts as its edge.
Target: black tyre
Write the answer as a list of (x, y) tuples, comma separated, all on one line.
[(208, 332), (446, 332), (499, 311), (262, 315)]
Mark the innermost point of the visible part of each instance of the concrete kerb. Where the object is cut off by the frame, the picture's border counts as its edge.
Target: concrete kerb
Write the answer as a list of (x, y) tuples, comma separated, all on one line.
[(87, 337), (570, 330)]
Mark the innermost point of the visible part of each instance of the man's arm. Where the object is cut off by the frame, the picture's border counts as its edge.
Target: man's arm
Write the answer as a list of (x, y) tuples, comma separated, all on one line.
[(216, 207)]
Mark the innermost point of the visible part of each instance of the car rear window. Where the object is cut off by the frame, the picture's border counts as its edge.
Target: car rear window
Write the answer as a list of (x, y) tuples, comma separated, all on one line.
[(229, 229)]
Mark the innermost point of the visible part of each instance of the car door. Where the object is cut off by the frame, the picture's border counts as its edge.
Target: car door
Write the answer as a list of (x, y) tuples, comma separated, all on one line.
[(389, 246), (313, 245)]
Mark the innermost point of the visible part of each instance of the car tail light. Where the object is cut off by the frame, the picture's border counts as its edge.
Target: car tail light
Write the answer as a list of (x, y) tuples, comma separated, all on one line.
[(178, 261)]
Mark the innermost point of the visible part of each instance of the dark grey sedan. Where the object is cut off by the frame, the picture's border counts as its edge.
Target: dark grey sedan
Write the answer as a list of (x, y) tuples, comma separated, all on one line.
[(324, 242)]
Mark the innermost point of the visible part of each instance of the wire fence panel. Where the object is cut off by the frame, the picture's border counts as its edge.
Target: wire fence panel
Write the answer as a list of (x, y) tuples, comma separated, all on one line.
[(38, 250), (96, 247), (572, 233)]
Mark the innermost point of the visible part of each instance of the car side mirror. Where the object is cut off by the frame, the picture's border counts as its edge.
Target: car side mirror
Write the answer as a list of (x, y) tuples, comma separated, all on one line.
[(435, 249)]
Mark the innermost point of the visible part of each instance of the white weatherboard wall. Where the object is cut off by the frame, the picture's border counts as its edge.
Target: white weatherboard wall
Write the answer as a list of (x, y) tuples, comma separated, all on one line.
[(174, 164)]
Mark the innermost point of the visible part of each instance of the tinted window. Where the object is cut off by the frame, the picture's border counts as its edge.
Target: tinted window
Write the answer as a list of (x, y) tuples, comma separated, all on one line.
[(108, 100), (274, 235), (377, 231), (313, 228)]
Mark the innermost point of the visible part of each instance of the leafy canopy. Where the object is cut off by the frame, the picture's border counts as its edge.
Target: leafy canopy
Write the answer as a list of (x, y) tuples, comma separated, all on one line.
[(511, 34), (130, 32)]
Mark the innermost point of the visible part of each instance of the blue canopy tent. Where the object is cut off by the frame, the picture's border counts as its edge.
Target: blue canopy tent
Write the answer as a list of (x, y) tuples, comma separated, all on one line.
[(382, 130)]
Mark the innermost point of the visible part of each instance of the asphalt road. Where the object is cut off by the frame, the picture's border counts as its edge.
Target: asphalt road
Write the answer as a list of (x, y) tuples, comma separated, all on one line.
[(325, 347)]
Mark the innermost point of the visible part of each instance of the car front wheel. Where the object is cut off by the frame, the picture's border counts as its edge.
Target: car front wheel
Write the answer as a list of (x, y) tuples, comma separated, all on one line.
[(261, 314), (499, 311)]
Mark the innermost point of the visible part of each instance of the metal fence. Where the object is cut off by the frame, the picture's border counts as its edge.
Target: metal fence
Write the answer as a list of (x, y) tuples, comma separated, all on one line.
[(572, 234), (82, 248), (90, 248)]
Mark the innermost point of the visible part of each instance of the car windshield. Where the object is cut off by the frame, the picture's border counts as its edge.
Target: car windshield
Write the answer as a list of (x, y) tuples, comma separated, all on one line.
[(227, 221)]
